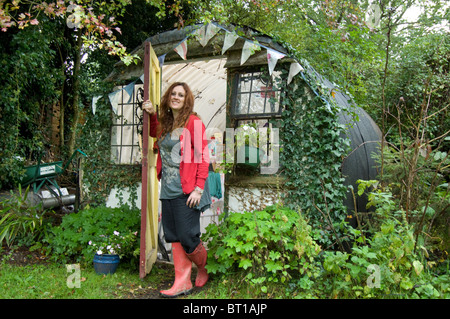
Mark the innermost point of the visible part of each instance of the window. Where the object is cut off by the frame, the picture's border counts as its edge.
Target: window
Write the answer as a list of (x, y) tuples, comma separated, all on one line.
[(127, 128), (256, 95), (255, 108)]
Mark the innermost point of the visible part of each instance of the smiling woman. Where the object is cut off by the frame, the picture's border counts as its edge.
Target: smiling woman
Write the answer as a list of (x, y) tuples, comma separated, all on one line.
[(177, 99), (184, 191)]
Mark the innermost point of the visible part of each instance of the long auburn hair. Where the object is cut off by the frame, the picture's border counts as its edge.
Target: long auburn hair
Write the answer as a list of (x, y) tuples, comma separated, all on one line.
[(166, 121)]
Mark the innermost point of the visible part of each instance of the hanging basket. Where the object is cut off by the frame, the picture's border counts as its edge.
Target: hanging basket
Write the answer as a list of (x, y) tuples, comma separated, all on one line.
[(106, 264)]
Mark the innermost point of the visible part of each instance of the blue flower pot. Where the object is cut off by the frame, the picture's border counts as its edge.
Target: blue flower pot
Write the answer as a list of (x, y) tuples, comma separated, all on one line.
[(106, 264)]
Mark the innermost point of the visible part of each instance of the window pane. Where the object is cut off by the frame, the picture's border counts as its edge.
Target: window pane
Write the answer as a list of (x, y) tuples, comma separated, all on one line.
[(245, 82), (127, 138), (128, 114), (257, 103), (125, 156), (259, 83), (115, 152), (136, 155), (116, 135), (242, 104)]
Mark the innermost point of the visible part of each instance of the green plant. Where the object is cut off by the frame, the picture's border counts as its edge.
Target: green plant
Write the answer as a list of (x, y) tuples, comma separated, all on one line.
[(387, 265), (19, 219), (311, 155), (115, 244), (273, 246), (70, 240)]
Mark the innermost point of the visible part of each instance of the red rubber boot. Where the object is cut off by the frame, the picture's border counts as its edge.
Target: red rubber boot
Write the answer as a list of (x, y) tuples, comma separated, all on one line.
[(199, 257), (183, 266)]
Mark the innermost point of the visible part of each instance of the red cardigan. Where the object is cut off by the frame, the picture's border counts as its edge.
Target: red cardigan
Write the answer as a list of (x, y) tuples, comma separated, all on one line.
[(194, 153)]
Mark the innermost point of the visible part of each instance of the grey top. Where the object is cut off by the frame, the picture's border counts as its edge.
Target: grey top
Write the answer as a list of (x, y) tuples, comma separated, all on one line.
[(170, 151), (170, 175)]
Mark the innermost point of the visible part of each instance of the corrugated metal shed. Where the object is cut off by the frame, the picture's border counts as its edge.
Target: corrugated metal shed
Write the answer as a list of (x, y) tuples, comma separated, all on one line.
[(206, 73), (208, 82)]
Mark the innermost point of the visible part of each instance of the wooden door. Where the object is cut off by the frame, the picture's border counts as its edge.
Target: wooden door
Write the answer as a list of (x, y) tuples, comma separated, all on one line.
[(150, 198)]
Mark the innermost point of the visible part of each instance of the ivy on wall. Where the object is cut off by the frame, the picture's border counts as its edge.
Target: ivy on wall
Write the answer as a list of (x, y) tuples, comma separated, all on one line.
[(100, 174), (311, 154)]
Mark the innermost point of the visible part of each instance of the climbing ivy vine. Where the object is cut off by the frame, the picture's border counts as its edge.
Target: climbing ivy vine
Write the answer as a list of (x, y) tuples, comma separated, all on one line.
[(314, 148), (100, 174)]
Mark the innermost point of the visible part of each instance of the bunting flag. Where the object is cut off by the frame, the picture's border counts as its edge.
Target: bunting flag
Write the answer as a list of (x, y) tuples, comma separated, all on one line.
[(228, 42), (114, 99), (203, 35), (181, 49), (200, 35), (272, 58), (94, 103), (249, 49), (161, 60), (211, 32), (206, 33), (128, 92), (294, 69)]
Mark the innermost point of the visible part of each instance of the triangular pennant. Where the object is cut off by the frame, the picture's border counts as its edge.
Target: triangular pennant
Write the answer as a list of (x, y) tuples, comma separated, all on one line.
[(161, 59), (94, 103), (114, 99), (272, 58), (206, 33), (200, 35), (228, 42), (211, 31), (128, 92), (294, 70), (249, 49), (142, 78), (181, 49)]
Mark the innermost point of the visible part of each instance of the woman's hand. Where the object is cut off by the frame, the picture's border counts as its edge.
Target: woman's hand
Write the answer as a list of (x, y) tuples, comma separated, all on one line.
[(194, 199), (147, 106)]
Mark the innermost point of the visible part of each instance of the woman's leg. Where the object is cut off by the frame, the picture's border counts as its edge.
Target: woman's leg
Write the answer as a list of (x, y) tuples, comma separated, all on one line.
[(182, 263), (181, 223)]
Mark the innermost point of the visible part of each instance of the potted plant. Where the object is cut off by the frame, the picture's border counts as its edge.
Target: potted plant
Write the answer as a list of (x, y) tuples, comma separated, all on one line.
[(109, 249)]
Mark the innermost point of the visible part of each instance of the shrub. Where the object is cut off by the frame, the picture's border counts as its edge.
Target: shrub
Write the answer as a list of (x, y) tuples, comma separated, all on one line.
[(388, 267), (273, 245), (70, 240), (20, 221), (390, 264)]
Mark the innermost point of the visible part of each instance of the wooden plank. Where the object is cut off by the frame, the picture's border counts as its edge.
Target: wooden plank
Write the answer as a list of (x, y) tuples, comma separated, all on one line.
[(150, 200)]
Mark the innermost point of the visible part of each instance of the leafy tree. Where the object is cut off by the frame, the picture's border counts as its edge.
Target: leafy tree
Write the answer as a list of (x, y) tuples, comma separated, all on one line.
[(55, 56)]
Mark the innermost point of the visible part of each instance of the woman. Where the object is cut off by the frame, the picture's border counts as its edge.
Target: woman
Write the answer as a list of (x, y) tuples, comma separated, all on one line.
[(182, 168)]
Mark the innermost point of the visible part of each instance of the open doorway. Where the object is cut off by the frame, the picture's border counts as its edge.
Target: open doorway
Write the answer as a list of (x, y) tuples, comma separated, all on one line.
[(208, 82)]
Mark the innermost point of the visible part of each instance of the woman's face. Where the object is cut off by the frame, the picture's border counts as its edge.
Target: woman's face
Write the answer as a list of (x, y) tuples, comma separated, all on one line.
[(177, 98)]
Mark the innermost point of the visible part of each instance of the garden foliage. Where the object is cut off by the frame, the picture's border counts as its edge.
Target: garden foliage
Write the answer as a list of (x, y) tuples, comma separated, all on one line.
[(273, 250), (271, 246), (314, 147), (70, 240), (20, 222)]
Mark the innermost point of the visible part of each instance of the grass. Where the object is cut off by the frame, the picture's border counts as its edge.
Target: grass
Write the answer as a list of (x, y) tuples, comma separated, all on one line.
[(53, 281)]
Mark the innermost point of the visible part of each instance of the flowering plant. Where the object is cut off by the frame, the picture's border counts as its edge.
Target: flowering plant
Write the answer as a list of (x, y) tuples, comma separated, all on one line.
[(115, 244)]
